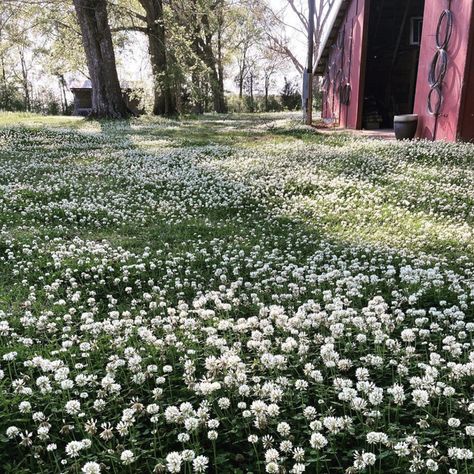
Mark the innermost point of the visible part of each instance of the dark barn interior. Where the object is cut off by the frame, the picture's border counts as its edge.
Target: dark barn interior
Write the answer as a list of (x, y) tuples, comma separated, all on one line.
[(393, 49)]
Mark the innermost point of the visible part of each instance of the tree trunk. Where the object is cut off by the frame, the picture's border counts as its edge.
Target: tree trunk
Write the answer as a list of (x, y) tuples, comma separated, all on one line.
[(25, 81), (164, 100), (62, 86), (252, 101), (107, 100), (267, 87), (217, 86), (220, 64), (205, 51)]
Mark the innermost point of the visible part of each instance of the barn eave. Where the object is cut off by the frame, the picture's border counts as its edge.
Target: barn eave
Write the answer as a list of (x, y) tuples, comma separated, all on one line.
[(330, 35)]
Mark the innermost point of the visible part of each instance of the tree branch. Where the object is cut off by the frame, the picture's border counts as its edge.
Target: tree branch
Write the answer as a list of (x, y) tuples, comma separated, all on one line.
[(141, 29)]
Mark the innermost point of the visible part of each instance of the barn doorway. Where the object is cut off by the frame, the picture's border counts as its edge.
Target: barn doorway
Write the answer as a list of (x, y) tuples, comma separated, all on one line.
[(393, 49)]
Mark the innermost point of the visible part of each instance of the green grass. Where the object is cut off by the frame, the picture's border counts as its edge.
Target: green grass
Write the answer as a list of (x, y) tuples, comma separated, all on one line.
[(258, 214)]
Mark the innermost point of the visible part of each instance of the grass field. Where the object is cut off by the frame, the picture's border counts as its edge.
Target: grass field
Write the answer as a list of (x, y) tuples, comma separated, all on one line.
[(235, 294)]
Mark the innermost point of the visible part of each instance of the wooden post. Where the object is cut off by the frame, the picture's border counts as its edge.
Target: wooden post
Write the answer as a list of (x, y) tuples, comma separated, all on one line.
[(308, 74)]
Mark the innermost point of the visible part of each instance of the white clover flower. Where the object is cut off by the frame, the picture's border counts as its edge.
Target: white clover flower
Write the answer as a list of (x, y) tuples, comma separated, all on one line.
[(12, 432), (67, 384), (273, 410), (91, 468), (376, 396), (301, 385), (454, 422), (173, 462), (460, 453), (298, 468), (398, 393), (375, 437), (309, 413), (43, 433), (369, 458), (272, 468), (213, 424), (24, 407), (298, 454), (38, 416), (283, 429), (408, 335), (127, 457), (449, 391), (73, 407), (172, 414), (183, 437), (432, 465), (153, 408), (10, 356), (200, 464), (252, 439), (318, 441), (191, 424), (420, 397), (99, 404), (188, 455), (224, 403), (271, 455), (73, 448), (286, 446)]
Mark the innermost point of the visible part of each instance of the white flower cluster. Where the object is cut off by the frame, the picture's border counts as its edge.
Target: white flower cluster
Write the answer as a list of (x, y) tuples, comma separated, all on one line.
[(280, 308)]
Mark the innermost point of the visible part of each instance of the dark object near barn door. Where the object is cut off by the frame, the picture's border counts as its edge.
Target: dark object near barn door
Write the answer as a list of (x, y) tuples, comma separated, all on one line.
[(405, 126)]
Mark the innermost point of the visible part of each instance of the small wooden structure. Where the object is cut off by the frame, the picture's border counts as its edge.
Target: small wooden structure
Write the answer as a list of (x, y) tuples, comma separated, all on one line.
[(381, 58), (82, 92)]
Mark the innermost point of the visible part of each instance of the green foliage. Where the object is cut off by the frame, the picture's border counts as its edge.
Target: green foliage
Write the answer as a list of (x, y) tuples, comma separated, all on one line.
[(290, 96), (312, 290), (10, 97), (237, 105)]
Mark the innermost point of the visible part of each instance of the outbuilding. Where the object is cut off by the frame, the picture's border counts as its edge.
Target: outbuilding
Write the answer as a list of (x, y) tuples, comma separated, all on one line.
[(381, 58), (82, 92)]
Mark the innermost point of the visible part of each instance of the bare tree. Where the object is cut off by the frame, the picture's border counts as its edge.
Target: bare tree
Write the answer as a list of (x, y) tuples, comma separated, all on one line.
[(276, 26), (271, 64), (248, 38)]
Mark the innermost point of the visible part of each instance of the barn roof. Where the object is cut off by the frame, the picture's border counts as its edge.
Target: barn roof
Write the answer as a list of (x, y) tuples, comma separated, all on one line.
[(80, 84), (330, 33), (87, 84)]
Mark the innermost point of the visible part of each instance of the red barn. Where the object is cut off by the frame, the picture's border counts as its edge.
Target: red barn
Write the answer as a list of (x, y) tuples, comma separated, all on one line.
[(381, 58)]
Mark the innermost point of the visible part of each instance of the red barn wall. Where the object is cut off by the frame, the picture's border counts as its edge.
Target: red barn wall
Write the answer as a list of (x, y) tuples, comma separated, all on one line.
[(344, 66), (454, 121), (466, 128)]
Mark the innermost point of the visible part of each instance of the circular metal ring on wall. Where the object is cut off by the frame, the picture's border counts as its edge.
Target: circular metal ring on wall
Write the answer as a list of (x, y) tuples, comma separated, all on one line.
[(446, 20), (439, 63), (438, 68), (435, 103)]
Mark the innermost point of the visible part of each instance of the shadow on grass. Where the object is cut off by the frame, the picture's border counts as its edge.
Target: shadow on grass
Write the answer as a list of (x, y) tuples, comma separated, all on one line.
[(144, 135)]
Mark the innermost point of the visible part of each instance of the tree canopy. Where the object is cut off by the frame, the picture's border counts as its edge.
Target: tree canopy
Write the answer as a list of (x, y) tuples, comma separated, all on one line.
[(199, 53)]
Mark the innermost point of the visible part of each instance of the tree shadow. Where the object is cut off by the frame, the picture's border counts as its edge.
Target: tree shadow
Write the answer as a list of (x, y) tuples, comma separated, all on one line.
[(152, 139)]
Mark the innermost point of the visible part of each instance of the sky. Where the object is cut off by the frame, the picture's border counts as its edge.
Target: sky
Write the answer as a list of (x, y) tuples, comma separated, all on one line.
[(133, 62)]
